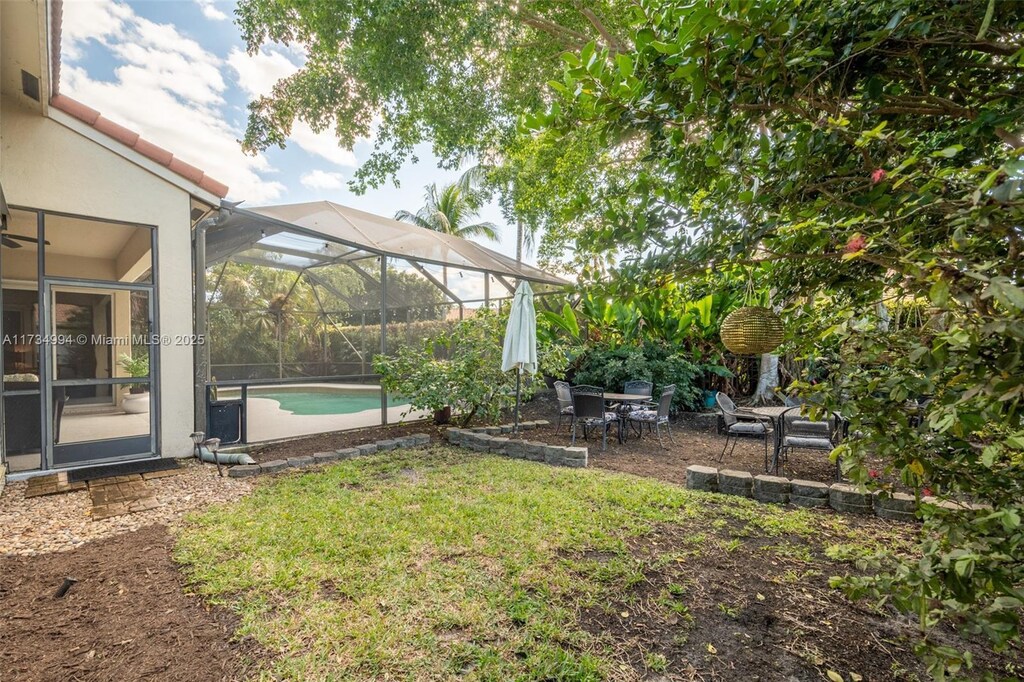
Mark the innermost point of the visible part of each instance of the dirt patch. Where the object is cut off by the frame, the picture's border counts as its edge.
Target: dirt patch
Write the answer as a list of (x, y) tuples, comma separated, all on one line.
[(127, 618), (753, 613)]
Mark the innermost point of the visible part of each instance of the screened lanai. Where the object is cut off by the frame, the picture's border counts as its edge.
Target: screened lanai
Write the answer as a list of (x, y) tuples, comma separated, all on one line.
[(297, 299)]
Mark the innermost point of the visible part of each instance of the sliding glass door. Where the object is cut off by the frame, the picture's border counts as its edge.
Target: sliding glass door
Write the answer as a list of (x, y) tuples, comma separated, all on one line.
[(99, 377)]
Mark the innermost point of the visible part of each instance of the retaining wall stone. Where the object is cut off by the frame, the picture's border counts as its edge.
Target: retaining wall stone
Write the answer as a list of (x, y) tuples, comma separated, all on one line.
[(808, 493), (244, 470), (702, 478), (274, 465), (367, 448), (300, 462), (575, 457), (324, 457), (850, 499), (735, 482), (771, 489), (347, 453), (533, 451), (895, 506)]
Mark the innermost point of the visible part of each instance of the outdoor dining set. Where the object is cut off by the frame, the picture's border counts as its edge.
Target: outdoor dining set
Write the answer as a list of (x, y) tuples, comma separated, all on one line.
[(591, 407), (782, 428), (787, 427)]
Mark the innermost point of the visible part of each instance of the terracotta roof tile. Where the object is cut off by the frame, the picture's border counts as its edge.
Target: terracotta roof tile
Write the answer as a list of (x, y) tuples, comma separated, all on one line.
[(132, 140), (185, 170), (75, 108), (116, 131), (214, 187), (152, 151)]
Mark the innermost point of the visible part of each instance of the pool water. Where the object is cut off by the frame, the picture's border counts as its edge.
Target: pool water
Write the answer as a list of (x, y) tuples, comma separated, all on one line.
[(328, 402)]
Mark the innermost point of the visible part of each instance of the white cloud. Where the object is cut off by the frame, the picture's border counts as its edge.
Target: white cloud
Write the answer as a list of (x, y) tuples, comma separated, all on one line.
[(318, 179), (167, 88), (324, 145), (210, 10), (257, 74), (85, 21)]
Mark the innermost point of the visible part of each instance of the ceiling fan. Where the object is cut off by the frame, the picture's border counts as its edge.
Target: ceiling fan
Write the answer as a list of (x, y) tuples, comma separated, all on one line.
[(11, 240)]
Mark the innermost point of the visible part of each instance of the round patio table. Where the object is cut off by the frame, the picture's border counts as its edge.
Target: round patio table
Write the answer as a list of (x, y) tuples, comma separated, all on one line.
[(624, 398)]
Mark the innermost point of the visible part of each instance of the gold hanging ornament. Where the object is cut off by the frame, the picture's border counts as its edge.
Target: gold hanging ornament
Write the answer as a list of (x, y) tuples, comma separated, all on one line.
[(752, 330)]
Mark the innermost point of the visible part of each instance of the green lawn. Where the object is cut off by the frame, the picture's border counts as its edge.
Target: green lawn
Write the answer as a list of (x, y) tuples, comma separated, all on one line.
[(439, 564)]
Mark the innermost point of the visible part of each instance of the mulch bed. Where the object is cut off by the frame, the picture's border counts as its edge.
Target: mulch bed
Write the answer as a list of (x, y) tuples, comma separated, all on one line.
[(127, 618)]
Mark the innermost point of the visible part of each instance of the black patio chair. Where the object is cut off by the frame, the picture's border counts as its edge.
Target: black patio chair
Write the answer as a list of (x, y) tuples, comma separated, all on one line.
[(739, 423), (799, 432), (637, 388), (655, 415), (563, 392), (590, 411)]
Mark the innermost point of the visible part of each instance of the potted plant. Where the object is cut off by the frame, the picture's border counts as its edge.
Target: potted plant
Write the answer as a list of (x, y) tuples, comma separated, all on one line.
[(136, 399)]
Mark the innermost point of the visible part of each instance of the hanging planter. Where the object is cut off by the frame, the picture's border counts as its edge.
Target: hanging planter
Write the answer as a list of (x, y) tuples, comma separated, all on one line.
[(752, 330)]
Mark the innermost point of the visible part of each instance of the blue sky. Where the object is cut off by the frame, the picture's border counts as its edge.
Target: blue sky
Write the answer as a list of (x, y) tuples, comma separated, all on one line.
[(176, 72)]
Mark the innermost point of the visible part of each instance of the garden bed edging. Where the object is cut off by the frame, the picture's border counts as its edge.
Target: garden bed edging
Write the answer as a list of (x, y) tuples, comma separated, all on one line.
[(842, 497), (490, 439), (318, 458)]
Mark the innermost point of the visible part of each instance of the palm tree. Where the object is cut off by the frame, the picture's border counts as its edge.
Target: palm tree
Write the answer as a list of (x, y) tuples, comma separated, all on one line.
[(453, 208)]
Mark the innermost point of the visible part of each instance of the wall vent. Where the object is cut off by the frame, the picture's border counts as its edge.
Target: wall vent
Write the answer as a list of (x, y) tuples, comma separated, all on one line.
[(30, 85)]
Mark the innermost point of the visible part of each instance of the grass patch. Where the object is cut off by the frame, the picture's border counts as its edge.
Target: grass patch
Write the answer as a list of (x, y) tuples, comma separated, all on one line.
[(438, 564)]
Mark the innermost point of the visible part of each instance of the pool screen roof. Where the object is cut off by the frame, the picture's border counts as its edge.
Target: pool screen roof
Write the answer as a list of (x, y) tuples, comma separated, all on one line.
[(307, 235)]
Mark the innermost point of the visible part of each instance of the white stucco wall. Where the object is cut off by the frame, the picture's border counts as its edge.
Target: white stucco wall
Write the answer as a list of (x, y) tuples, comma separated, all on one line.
[(45, 165)]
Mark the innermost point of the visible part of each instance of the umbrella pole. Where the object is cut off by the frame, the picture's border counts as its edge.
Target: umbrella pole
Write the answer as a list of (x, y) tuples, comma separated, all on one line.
[(515, 425)]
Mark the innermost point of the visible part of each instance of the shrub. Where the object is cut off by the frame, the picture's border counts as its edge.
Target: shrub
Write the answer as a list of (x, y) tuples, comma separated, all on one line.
[(656, 362), (460, 368)]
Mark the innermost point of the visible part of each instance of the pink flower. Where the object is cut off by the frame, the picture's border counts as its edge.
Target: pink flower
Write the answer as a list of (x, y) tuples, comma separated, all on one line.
[(873, 473), (878, 175), (926, 492), (857, 243)]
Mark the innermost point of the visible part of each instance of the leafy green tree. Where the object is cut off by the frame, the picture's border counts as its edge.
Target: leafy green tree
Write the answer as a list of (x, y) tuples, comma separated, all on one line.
[(850, 155), (454, 73), (452, 209)]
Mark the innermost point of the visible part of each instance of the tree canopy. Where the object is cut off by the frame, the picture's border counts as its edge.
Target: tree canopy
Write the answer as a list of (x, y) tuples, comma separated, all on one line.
[(848, 155), (455, 73)]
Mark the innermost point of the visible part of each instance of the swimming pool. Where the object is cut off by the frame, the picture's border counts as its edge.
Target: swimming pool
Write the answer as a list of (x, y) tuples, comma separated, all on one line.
[(328, 400)]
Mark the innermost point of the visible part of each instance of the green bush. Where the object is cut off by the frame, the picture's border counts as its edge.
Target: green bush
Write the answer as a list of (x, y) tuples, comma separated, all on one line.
[(460, 368), (656, 362)]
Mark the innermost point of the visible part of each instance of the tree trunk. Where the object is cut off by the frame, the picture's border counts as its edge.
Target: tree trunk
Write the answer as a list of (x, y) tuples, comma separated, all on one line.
[(519, 241), (767, 379)]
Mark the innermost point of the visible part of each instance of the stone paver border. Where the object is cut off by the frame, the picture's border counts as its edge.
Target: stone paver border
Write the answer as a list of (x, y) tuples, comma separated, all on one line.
[(842, 497), (318, 458), (493, 439)]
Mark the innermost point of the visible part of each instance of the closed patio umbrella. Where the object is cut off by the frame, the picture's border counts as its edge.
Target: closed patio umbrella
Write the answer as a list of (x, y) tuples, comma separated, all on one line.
[(520, 349)]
